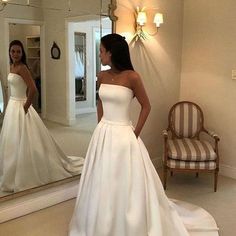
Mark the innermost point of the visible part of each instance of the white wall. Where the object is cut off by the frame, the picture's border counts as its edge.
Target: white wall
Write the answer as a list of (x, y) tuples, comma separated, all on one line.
[(209, 49)]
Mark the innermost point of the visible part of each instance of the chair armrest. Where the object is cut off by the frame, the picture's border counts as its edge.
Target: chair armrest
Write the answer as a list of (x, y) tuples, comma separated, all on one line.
[(212, 134)]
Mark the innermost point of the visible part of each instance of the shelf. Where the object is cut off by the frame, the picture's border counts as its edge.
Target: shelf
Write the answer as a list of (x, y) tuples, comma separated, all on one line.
[(33, 47)]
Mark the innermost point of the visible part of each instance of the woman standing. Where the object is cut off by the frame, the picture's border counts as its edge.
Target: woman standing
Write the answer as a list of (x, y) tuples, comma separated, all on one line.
[(120, 193), (29, 156)]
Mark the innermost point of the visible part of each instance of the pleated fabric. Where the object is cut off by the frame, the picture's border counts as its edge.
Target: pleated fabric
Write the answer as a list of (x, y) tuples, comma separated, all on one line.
[(29, 156), (120, 193)]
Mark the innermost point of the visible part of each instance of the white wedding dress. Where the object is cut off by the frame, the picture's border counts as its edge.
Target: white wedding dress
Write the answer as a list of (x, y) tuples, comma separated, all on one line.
[(120, 193), (29, 156)]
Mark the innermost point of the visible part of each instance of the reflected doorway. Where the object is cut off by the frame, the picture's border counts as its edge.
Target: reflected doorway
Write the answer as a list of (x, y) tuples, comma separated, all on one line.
[(90, 29)]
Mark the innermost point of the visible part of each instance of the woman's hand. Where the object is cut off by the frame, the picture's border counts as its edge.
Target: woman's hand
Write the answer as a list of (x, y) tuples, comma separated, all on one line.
[(136, 134), (26, 108)]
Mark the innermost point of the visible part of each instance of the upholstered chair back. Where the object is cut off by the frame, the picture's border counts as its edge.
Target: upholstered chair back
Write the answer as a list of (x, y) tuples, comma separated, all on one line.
[(186, 120)]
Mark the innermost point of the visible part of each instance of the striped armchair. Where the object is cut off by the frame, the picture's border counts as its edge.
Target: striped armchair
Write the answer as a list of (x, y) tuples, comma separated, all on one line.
[(183, 149)]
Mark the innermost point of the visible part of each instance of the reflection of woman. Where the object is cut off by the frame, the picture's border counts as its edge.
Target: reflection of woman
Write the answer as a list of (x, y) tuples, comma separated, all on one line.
[(28, 154), (120, 193)]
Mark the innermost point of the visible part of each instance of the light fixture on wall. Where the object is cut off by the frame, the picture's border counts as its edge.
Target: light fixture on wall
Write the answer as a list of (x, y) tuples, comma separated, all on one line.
[(141, 20)]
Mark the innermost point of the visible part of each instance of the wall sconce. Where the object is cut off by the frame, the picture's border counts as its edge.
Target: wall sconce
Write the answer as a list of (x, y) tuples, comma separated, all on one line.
[(141, 20)]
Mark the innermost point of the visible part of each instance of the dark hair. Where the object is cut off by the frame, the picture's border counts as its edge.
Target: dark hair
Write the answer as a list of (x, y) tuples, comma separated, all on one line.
[(119, 49), (18, 43)]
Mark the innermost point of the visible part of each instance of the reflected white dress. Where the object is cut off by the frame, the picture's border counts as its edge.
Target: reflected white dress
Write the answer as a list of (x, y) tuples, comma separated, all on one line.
[(120, 193), (29, 156)]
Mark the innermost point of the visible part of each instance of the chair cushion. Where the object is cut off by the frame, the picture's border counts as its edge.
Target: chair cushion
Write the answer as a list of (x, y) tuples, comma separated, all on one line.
[(190, 150), (202, 165)]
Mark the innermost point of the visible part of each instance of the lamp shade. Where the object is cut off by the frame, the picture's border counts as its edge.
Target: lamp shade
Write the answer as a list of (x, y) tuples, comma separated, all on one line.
[(141, 18), (158, 19)]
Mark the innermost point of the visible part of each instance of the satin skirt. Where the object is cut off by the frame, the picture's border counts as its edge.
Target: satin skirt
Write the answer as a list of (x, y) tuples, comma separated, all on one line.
[(29, 156), (120, 193)]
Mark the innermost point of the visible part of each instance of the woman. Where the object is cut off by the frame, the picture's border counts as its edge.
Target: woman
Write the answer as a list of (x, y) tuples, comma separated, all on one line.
[(29, 156), (120, 193)]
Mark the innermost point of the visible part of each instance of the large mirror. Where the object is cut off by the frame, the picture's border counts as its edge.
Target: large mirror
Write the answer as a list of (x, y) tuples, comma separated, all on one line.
[(82, 52)]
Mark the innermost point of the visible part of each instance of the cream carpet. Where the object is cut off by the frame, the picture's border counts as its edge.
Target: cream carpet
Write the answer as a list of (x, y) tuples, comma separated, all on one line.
[(54, 220)]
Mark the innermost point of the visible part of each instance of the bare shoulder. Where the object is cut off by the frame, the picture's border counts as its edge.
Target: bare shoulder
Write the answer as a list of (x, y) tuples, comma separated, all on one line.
[(24, 71), (134, 78), (133, 75)]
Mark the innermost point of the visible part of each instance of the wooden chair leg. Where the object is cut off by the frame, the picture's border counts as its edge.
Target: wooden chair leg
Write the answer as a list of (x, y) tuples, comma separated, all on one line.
[(197, 174), (165, 177), (171, 173), (216, 180)]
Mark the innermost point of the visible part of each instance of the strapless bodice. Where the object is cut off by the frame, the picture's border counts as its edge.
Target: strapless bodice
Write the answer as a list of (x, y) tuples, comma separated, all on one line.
[(116, 100), (17, 86)]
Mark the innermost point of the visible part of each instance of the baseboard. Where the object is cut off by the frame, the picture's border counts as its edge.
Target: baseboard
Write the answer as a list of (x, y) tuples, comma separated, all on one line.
[(85, 110), (60, 120), (227, 171), (27, 204)]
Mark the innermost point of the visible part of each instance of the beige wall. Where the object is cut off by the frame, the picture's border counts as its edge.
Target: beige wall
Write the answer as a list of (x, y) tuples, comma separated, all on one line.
[(209, 50), (158, 60)]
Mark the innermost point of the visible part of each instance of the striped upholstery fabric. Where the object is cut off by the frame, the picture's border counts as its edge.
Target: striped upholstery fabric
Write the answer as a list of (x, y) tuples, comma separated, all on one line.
[(202, 165), (190, 150), (186, 120)]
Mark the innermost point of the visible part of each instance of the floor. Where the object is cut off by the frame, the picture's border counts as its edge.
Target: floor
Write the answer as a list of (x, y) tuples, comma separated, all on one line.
[(54, 221)]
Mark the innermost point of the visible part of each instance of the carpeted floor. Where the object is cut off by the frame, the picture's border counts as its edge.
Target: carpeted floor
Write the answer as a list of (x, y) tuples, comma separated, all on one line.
[(54, 220)]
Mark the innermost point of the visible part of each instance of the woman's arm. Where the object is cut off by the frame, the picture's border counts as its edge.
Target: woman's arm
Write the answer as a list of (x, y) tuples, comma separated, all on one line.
[(99, 104), (31, 88), (141, 95)]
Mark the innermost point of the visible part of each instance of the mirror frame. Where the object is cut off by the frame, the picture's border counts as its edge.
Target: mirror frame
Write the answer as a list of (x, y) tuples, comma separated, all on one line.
[(111, 13)]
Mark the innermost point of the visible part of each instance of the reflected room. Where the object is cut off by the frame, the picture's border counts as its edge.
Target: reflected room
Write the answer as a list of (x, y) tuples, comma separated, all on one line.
[(66, 83)]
